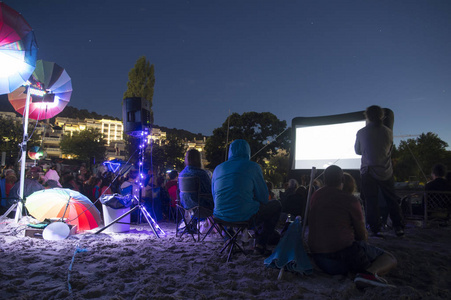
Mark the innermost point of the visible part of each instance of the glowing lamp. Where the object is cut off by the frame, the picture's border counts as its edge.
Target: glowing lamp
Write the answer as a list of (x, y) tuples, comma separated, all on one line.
[(50, 89), (18, 49)]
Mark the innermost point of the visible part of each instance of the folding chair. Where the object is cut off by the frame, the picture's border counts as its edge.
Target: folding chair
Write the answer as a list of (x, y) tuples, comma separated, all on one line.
[(233, 231), (191, 185)]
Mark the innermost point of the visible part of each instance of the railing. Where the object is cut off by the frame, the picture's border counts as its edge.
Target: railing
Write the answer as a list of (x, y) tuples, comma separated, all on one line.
[(427, 206)]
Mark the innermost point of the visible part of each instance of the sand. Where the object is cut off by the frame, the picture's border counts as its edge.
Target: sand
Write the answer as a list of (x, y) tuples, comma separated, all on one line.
[(138, 265)]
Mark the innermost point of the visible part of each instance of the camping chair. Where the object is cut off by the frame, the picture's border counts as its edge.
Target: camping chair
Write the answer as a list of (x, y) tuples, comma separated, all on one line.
[(192, 185), (233, 230), (427, 206)]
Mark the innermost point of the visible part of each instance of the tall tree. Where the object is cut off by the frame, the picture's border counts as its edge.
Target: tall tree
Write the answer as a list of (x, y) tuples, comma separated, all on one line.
[(415, 157), (141, 82), (84, 145), (263, 131)]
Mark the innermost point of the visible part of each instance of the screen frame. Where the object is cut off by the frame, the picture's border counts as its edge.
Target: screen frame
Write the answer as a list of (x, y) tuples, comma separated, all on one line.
[(319, 121)]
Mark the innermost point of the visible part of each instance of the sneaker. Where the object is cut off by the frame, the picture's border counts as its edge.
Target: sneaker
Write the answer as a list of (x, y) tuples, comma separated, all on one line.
[(399, 231), (364, 280)]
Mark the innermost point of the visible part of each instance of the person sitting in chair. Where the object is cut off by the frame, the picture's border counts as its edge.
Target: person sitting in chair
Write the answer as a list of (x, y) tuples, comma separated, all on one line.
[(240, 194), (193, 163)]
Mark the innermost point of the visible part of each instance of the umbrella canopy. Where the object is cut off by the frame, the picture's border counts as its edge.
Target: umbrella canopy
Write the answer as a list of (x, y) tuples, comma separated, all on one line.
[(290, 253), (18, 49), (52, 203), (51, 88)]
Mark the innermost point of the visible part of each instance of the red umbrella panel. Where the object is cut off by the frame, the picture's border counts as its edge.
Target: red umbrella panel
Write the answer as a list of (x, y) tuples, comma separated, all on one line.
[(50, 91), (18, 49), (71, 205)]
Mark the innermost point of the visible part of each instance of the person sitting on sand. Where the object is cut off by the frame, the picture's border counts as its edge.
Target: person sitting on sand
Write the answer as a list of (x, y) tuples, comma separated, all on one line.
[(240, 194), (337, 234)]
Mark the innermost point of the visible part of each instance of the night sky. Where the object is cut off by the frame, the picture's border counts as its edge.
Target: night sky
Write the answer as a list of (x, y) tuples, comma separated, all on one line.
[(291, 58)]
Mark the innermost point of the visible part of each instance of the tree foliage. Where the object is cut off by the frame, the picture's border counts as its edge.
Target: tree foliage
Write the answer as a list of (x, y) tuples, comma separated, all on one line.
[(11, 136), (414, 158), (84, 144), (141, 82), (263, 131), (276, 170), (166, 157)]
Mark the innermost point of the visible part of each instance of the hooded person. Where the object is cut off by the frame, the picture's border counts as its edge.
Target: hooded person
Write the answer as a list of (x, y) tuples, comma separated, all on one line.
[(240, 194), (52, 175)]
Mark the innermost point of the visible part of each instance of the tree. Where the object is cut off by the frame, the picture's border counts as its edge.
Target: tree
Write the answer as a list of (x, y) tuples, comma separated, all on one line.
[(84, 145), (11, 135), (277, 169), (141, 82), (166, 157), (415, 157), (261, 130)]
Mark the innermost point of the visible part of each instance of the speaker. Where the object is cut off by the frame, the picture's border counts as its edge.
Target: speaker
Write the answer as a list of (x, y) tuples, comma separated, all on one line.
[(136, 116)]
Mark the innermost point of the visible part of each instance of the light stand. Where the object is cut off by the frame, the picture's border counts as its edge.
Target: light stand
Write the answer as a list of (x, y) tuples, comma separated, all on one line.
[(23, 148), (139, 205)]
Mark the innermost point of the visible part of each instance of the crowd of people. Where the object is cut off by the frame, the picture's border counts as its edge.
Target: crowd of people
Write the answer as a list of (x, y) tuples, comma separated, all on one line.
[(236, 191)]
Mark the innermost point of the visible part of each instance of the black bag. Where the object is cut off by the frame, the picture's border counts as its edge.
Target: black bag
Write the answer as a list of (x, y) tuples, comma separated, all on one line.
[(116, 200)]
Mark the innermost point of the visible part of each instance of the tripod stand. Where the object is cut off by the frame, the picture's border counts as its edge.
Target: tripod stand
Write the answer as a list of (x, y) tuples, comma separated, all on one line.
[(145, 213), (139, 205)]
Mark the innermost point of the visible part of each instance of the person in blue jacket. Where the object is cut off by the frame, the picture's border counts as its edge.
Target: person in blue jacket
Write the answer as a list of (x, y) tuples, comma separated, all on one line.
[(240, 194)]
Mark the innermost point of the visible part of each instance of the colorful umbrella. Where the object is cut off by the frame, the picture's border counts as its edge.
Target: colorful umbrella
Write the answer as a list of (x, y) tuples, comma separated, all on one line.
[(64, 203), (36, 153), (51, 89), (18, 49)]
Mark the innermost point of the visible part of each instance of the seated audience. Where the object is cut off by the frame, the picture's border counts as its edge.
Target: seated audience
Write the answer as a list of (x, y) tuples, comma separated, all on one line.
[(337, 235), (290, 189), (51, 174), (240, 194), (31, 184), (295, 203), (130, 186), (193, 163), (438, 182), (349, 185), (171, 187)]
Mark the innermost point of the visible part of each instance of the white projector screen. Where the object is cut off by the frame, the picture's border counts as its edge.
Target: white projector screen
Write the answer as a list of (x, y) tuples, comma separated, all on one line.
[(323, 141)]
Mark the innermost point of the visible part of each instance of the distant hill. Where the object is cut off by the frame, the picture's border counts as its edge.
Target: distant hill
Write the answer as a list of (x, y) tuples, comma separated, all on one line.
[(72, 112), (182, 134)]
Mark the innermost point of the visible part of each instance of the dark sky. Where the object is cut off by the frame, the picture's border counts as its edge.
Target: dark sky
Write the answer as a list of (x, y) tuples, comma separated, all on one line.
[(291, 58)]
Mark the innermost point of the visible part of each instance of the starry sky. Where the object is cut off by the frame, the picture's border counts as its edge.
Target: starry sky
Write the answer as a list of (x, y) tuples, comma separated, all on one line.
[(291, 58)]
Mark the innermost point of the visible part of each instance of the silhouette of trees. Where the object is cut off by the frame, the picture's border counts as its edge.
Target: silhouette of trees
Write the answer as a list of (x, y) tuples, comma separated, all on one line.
[(264, 132), (414, 158), (84, 145)]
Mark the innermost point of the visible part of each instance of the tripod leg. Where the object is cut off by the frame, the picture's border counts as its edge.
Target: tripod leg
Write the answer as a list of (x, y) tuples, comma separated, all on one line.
[(144, 212), (118, 218), (8, 211)]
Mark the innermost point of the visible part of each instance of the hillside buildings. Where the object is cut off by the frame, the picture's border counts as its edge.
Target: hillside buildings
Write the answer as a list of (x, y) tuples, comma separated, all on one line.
[(112, 130)]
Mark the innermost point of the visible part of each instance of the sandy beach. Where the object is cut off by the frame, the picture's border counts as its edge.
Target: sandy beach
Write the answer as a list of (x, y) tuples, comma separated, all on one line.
[(138, 265)]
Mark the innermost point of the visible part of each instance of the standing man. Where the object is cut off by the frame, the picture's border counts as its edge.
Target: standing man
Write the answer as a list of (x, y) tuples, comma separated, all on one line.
[(375, 143), (240, 194)]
